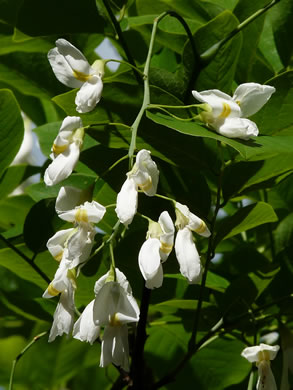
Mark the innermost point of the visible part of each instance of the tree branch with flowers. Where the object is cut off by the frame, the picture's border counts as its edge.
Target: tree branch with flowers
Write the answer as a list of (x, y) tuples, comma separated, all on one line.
[(165, 197)]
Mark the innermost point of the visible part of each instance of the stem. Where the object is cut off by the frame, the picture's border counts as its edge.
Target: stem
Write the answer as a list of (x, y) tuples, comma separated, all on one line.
[(166, 198), (167, 106), (36, 338), (178, 117), (108, 124), (126, 63), (210, 255), (122, 40), (137, 366), (211, 52), (25, 258), (146, 96)]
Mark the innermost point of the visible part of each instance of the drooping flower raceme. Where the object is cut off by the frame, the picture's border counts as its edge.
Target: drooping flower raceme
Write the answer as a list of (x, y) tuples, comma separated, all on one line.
[(156, 249), (72, 69), (65, 150), (186, 252), (262, 355), (228, 115), (114, 308), (145, 176)]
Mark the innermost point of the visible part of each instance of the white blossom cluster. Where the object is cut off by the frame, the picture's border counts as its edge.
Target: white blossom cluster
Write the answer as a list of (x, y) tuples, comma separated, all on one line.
[(114, 306)]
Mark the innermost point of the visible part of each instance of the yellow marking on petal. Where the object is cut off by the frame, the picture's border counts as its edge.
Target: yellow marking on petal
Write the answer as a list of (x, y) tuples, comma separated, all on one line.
[(58, 257), (166, 248), (238, 102), (81, 76), (52, 290), (263, 355), (147, 185), (114, 321), (226, 111), (81, 215), (56, 149), (202, 228)]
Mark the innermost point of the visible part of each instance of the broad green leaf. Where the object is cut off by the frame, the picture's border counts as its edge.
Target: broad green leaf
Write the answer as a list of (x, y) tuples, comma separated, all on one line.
[(212, 367), (276, 116), (219, 72), (281, 15), (40, 191), (216, 282), (260, 174), (284, 233), (253, 149), (244, 219), (11, 128), (250, 35), (13, 211), (267, 45), (9, 45), (16, 264)]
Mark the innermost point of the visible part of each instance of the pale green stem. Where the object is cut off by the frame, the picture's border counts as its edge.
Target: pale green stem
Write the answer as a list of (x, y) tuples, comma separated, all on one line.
[(251, 381), (146, 97), (167, 106), (126, 63), (36, 338), (178, 117), (166, 198), (108, 124)]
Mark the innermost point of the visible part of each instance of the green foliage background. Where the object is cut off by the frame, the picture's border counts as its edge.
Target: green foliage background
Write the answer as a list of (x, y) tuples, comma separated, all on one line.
[(249, 287)]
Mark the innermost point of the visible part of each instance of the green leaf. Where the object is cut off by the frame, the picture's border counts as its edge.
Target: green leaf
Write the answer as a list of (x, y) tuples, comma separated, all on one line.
[(219, 72), (276, 116), (253, 149), (16, 264), (11, 128), (284, 233), (216, 282), (244, 219), (252, 175), (13, 211), (9, 45), (281, 15), (251, 35)]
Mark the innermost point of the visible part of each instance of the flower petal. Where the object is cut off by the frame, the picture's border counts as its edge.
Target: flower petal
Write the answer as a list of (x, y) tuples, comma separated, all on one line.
[(89, 94), (56, 243), (187, 256), (238, 128), (145, 173), (63, 316), (115, 347), (126, 204), (222, 104), (85, 329), (149, 258), (68, 198), (68, 63), (252, 97), (157, 280), (63, 165), (266, 379), (167, 238)]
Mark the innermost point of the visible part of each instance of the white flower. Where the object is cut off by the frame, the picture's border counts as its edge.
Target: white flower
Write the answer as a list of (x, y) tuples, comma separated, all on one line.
[(72, 69), (145, 176), (227, 115), (64, 278), (56, 244), (114, 307), (68, 198), (85, 329), (85, 214), (156, 249), (64, 314), (186, 252), (261, 355), (65, 150), (126, 204)]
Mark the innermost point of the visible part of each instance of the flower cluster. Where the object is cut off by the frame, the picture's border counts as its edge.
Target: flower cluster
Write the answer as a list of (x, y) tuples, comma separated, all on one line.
[(228, 115)]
